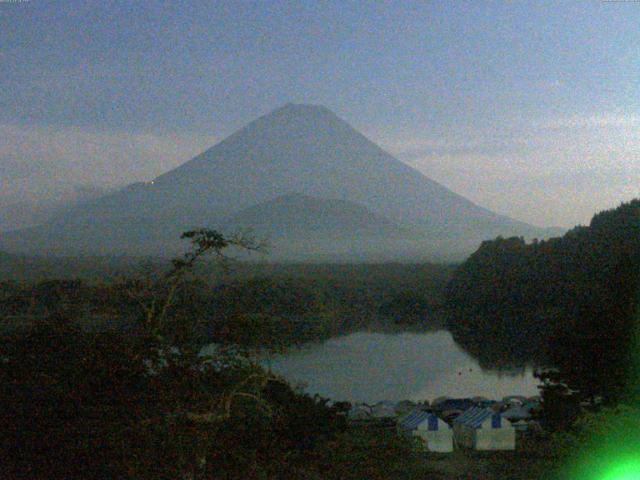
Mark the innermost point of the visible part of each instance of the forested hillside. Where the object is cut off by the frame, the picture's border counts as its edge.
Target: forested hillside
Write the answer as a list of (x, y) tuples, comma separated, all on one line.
[(566, 302)]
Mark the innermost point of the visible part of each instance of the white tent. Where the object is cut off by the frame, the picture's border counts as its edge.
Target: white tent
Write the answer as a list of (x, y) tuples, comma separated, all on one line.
[(517, 413), (384, 409), (435, 434), (483, 429), (360, 411), (519, 416), (514, 400)]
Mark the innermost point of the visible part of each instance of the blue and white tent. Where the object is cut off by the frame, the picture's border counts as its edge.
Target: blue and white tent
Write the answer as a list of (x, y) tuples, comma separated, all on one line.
[(435, 433), (483, 429)]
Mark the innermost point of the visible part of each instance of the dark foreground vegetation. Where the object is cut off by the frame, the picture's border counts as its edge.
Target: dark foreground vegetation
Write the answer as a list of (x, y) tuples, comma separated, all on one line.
[(80, 405), (105, 380)]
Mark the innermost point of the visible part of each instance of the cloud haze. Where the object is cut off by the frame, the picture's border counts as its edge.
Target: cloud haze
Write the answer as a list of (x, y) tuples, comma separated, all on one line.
[(553, 172), (40, 162)]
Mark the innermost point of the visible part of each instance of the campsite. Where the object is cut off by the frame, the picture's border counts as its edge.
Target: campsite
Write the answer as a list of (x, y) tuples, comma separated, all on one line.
[(461, 424), (503, 452)]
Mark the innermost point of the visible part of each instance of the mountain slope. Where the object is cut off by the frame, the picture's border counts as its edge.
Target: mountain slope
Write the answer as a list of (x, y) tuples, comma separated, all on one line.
[(305, 216), (303, 228), (297, 148)]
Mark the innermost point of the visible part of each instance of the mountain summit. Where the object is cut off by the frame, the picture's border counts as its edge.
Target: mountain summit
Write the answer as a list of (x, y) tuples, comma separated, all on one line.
[(296, 149)]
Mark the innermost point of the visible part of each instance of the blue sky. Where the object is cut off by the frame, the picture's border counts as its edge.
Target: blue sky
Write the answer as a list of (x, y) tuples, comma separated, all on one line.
[(529, 108)]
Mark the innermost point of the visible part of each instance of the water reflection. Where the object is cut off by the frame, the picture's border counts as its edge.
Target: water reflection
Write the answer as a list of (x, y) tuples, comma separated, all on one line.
[(369, 367)]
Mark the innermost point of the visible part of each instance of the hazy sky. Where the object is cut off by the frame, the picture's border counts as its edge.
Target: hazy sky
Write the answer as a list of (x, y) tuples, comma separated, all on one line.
[(529, 108)]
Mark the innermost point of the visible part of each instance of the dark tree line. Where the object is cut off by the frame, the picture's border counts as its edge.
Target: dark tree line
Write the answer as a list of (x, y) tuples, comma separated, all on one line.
[(287, 305), (567, 303)]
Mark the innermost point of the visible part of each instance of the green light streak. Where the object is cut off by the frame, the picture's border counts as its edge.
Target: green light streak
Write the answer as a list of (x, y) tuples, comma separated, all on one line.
[(627, 470), (612, 451)]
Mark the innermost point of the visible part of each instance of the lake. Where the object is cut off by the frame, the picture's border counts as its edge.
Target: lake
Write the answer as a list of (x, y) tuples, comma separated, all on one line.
[(368, 367)]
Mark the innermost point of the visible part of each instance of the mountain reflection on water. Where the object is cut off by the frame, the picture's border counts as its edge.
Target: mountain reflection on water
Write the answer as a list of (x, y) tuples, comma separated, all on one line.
[(369, 367)]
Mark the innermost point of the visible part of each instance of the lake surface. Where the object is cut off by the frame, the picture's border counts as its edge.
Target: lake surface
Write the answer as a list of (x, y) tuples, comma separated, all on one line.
[(368, 367)]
